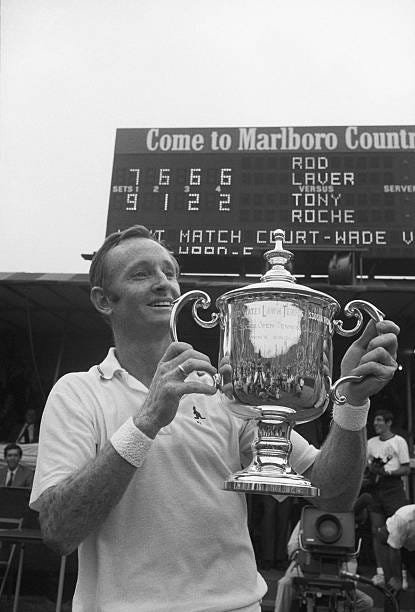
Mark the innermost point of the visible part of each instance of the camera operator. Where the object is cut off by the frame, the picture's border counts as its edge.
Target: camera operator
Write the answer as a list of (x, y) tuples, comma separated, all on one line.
[(286, 591), (397, 544)]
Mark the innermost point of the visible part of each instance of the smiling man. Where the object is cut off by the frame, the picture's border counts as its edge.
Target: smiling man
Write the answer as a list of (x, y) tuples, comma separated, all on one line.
[(388, 461), (134, 452)]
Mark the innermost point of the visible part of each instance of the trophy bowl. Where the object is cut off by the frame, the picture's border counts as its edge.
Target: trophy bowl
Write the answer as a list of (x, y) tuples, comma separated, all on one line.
[(275, 364)]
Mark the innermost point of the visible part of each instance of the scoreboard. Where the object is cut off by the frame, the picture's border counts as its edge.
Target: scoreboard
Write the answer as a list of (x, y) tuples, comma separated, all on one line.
[(222, 191)]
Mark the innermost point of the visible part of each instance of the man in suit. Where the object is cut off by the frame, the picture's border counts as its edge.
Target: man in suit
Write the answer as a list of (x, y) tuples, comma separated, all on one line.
[(27, 432), (15, 474)]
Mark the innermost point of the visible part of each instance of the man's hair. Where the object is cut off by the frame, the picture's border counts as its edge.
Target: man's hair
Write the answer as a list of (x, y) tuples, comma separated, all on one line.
[(12, 446), (97, 269), (386, 414), (31, 409)]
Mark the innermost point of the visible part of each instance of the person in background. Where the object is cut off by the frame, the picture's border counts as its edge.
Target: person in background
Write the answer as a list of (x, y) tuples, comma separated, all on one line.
[(388, 461), (29, 431), (397, 546), (15, 474), (273, 529), (7, 415), (133, 453), (285, 590)]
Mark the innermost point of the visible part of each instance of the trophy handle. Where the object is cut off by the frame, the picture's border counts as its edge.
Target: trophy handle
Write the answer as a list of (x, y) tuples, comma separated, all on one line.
[(202, 301), (352, 310)]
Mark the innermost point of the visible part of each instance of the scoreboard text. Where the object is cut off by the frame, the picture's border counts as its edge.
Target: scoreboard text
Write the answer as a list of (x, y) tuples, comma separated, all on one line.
[(222, 191)]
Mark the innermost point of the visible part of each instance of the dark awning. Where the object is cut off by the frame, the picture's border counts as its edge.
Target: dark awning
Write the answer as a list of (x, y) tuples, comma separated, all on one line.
[(50, 303)]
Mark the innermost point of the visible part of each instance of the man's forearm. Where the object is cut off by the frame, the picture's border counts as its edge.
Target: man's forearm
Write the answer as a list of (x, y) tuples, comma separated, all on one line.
[(402, 470), (338, 469), (77, 506), (394, 569)]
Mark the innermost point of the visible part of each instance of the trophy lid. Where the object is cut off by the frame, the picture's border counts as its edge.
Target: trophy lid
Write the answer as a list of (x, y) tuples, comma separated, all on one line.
[(279, 258), (278, 278)]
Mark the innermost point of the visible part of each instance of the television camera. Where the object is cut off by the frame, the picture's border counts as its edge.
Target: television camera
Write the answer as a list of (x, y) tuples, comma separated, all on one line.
[(327, 556), (327, 547)]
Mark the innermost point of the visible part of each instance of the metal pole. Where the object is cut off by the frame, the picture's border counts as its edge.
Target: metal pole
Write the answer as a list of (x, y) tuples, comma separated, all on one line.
[(60, 354), (411, 476), (18, 579), (409, 397), (61, 584)]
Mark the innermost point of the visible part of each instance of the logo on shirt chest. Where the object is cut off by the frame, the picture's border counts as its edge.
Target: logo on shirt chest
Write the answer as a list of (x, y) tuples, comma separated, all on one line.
[(198, 417)]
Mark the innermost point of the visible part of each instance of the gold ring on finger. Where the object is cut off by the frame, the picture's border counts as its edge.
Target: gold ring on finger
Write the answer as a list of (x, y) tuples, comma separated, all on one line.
[(182, 370)]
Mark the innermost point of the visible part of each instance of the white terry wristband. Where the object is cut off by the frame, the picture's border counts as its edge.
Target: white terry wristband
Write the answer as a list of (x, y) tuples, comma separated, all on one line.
[(131, 443), (351, 417)]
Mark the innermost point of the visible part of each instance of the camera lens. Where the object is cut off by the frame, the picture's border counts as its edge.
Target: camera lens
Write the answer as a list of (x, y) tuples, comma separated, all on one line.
[(328, 528)]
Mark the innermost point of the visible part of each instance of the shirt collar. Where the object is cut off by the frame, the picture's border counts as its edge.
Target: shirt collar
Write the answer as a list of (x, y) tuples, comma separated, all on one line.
[(110, 367)]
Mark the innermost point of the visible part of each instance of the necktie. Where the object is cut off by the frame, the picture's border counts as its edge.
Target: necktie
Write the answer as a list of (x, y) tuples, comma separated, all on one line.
[(10, 481), (22, 437)]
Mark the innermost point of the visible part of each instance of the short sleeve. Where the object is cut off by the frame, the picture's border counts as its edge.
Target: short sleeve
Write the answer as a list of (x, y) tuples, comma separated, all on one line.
[(397, 531), (403, 451), (246, 438), (303, 453), (67, 439)]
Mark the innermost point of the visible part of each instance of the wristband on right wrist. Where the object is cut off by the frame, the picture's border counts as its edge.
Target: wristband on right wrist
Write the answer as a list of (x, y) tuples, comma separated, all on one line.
[(131, 443)]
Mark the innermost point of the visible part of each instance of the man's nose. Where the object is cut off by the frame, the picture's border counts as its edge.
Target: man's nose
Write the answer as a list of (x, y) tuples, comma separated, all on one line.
[(160, 279)]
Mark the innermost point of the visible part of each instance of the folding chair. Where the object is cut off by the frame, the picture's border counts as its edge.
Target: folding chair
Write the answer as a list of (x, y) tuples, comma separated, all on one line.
[(14, 504), (7, 552)]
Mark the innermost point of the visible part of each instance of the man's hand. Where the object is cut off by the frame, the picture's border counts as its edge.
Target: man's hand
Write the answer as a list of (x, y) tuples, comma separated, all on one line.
[(395, 585), (376, 468), (225, 370), (170, 383), (372, 356)]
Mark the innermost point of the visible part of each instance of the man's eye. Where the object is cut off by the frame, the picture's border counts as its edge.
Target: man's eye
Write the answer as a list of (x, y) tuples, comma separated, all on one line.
[(140, 274)]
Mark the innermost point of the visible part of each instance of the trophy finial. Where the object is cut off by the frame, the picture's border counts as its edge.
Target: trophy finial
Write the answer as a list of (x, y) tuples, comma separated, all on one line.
[(279, 237), (278, 258)]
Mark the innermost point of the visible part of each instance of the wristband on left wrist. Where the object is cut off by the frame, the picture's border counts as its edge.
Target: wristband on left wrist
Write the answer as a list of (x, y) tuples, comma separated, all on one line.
[(352, 418)]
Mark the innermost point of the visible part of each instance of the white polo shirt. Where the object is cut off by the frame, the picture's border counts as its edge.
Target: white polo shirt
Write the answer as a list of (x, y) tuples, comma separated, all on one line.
[(176, 542), (401, 528)]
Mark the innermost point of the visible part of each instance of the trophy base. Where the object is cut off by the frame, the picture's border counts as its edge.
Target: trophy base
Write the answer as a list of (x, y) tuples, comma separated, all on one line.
[(262, 483)]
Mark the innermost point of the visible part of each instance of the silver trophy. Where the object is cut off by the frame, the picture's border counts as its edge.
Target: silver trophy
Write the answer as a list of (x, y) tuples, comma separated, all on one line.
[(275, 364)]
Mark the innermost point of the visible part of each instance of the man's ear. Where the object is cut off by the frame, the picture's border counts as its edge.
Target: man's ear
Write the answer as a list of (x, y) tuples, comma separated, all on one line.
[(101, 301)]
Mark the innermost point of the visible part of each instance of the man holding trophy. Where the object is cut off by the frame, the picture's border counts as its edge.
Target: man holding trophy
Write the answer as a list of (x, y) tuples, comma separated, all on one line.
[(133, 454)]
